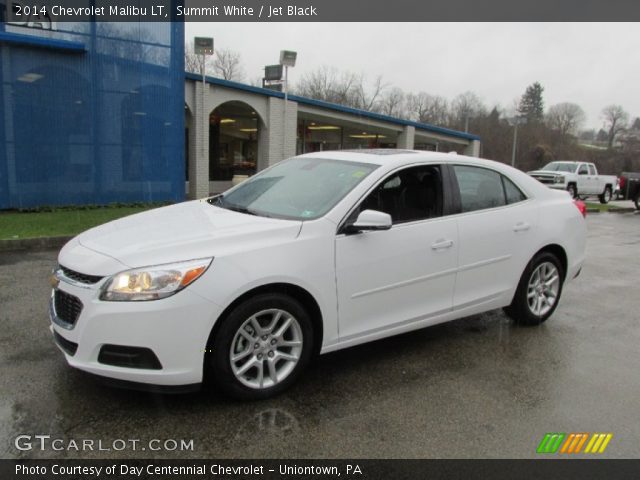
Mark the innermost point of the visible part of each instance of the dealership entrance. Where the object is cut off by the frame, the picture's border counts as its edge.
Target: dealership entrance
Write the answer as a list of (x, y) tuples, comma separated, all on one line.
[(233, 141)]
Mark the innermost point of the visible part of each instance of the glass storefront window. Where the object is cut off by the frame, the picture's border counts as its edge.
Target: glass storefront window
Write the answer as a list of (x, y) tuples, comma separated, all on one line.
[(316, 136), (233, 141), (355, 139)]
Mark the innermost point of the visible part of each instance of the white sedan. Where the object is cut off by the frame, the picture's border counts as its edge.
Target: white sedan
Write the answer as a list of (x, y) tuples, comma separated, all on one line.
[(317, 253)]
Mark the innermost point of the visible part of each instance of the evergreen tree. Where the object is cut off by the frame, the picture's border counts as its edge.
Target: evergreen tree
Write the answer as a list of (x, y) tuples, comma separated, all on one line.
[(531, 105)]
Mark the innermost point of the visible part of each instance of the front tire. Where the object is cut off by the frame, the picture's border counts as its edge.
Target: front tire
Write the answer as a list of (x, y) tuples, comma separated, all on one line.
[(573, 191), (262, 347), (605, 197), (538, 291)]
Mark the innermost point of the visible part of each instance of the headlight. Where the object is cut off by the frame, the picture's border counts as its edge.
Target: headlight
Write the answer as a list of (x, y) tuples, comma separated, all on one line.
[(152, 283), (559, 179)]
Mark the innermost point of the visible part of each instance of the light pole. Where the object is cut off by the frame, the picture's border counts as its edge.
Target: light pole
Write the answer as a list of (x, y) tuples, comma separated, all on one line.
[(202, 46), (515, 121), (287, 59)]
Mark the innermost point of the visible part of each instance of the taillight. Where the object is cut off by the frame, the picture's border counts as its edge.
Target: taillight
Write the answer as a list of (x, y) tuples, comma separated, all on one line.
[(621, 182), (581, 206)]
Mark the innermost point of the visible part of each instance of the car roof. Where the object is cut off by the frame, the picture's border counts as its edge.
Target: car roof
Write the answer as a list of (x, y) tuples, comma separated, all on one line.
[(390, 159), (395, 157)]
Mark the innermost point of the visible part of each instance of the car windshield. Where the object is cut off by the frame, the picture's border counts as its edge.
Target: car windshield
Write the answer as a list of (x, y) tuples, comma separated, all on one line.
[(560, 167), (300, 188)]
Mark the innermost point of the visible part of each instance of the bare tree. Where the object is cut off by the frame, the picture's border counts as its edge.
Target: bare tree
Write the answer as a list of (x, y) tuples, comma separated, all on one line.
[(193, 61), (343, 88), (393, 103), (566, 118), (327, 84), (227, 64), (465, 107), (427, 108), (615, 121), (224, 63), (367, 98)]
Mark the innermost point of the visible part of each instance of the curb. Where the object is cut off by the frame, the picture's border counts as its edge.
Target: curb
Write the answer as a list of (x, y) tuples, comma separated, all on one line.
[(612, 210), (39, 243)]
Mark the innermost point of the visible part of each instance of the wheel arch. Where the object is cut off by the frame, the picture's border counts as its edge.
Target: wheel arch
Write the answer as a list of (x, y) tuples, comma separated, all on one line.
[(294, 291), (559, 252)]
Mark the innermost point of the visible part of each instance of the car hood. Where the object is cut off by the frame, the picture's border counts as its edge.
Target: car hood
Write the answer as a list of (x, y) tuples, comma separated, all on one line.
[(185, 231)]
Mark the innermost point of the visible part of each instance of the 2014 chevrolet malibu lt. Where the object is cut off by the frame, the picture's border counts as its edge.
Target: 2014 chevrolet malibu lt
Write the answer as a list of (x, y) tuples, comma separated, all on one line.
[(317, 253)]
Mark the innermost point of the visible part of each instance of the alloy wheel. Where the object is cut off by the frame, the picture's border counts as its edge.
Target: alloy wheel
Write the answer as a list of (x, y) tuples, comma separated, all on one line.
[(266, 348), (543, 288)]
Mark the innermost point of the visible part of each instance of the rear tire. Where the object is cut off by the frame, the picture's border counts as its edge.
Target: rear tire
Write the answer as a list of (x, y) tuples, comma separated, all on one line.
[(637, 201), (538, 291), (573, 191), (605, 197), (261, 348)]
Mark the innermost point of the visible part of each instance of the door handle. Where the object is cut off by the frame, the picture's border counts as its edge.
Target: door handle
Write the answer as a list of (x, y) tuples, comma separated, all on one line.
[(442, 244), (521, 227)]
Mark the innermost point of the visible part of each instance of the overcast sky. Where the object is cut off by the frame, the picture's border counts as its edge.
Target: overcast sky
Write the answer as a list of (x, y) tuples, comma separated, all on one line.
[(591, 64)]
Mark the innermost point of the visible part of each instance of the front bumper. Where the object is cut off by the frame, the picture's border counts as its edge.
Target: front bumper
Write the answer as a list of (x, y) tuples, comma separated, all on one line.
[(175, 329)]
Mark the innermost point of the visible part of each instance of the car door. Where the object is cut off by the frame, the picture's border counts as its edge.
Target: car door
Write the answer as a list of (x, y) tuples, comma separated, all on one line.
[(594, 180), (496, 231), (584, 180), (404, 274)]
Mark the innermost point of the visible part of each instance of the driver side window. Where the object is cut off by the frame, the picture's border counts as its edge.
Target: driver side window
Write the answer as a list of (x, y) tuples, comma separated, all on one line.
[(583, 170), (409, 195)]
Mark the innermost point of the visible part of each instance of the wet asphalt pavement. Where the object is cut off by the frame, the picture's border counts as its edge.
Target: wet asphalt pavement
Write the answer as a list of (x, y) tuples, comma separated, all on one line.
[(476, 387)]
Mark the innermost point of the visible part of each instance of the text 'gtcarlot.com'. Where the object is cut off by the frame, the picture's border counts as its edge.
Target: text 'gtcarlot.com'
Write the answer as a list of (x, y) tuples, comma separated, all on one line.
[(45, 442)]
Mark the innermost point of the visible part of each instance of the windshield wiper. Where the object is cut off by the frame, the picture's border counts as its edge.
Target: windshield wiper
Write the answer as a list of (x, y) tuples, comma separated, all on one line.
[(219, 201), (238, 208)]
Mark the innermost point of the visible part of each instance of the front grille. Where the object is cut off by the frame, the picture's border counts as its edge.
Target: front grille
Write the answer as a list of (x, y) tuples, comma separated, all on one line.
[(67, 307), (80, 277), (545, 180), (69, 347)]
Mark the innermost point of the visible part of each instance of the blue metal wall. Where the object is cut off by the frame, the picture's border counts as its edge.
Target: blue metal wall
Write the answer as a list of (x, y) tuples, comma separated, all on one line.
[(91, 113)]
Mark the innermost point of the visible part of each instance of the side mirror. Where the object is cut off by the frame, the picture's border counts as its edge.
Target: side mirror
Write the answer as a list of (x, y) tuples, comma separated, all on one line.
[(582, 172), (370, 220)]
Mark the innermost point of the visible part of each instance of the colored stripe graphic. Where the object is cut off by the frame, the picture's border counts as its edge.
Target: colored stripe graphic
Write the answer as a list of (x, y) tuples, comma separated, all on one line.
[(572, 443), (598, 443), (551, 442)]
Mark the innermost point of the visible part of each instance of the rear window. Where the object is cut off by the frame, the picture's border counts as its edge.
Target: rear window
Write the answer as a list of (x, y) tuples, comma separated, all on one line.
[(512, 193), (481, 188)]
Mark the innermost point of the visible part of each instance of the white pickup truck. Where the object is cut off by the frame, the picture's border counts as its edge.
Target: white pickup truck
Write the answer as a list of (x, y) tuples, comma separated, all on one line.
[(580, 179)]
